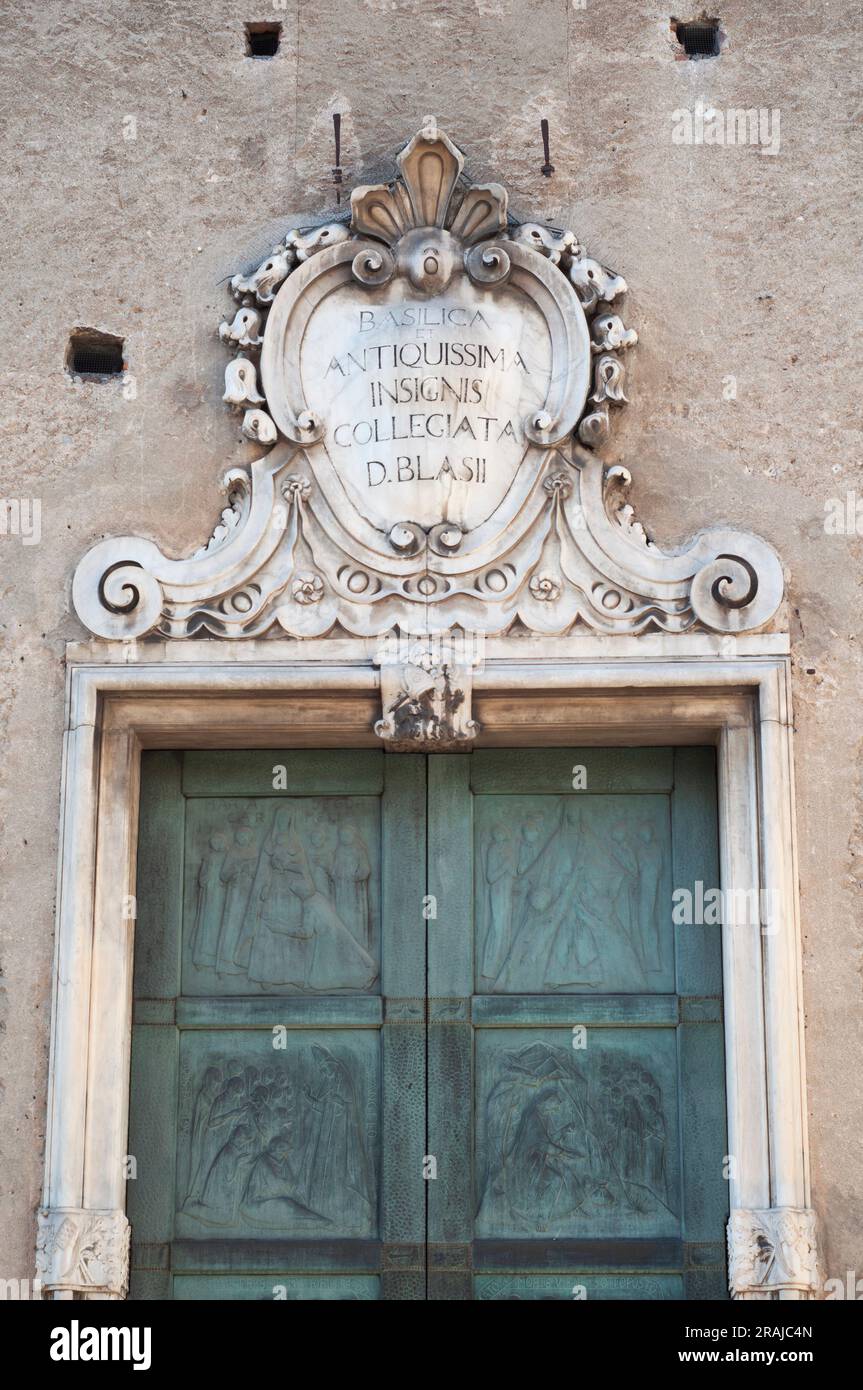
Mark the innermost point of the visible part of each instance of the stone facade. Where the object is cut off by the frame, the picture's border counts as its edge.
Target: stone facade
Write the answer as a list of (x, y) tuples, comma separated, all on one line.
[(152, 153)]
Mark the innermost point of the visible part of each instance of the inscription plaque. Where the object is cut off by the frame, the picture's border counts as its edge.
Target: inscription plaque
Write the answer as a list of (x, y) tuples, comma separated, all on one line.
[(427, 400), (431, 359)]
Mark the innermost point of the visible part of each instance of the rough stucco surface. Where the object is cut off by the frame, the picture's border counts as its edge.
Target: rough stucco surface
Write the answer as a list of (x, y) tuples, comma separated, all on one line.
[(740, 263)]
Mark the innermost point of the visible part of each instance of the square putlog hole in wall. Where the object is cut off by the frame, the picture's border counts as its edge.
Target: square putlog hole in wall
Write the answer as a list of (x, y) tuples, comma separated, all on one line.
[(94, 354), (699, 38), (262, 40)]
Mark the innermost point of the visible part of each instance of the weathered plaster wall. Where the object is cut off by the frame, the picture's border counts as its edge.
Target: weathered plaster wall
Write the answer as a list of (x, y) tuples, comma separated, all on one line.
[(741, 264)]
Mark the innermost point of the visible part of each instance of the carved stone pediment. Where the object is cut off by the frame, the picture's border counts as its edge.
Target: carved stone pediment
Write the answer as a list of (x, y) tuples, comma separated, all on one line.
[(432, 381)]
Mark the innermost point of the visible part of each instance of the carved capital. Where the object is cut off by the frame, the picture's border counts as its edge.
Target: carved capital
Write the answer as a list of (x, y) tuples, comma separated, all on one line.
[(772, 1251), (81, 1251)]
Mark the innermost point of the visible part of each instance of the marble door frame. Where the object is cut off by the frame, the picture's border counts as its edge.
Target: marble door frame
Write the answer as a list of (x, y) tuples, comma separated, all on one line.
[(651, 689)]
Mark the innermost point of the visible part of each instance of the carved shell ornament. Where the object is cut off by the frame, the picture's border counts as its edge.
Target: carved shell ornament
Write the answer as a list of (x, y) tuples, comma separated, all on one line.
[(428, 384)]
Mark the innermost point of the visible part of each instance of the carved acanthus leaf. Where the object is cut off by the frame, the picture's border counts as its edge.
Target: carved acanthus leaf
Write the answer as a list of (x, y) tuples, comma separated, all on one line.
[(596, 287), (245, 330), (305, 243), (265, 281), (258, 426), (241, 383), (617, 482), (594, 429), (236, 486), (548, 241), (595, 283), (429, 169), (481, 214), (608, 376), (610, 333)]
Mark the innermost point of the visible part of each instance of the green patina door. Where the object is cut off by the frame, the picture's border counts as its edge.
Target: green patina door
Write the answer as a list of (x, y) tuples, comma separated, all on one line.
[(414, 1027)]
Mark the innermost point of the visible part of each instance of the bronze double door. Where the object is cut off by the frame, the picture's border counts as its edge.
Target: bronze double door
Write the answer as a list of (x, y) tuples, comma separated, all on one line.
[(425, 1027)]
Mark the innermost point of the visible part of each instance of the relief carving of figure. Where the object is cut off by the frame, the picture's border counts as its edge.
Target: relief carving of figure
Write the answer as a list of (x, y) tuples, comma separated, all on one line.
[(322, 854), (637, 904), (572, 906), (553, 927), (335, 1160), (282, 947), (539, 1148), (301, 939), (237, 874), (336, 955), (295, 911), (353, 872), (501, 867), (280, 1148), (200, 1157), (272, 1194), (633, 1123), (212, 1121), (220, 1195), (209, 902), (562, 1145), (426, 702)]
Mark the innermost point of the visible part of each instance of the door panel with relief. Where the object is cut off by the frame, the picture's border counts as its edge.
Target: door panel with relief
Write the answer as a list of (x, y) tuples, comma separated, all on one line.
[(576, 1071), (278, 1070)]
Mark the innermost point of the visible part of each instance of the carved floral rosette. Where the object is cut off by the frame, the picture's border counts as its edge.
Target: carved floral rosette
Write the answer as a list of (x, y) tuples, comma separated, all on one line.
[(306, 546)]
